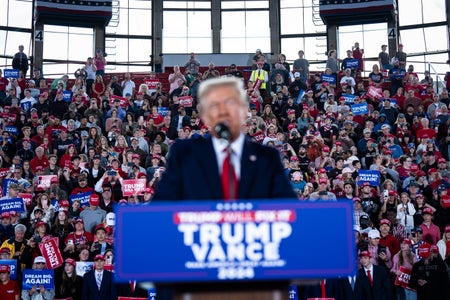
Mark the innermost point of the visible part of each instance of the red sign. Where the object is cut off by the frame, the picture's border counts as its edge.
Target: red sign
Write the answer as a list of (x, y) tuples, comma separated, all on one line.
[(44, 181), (374, 93), (152, 83), (50, 251), (402, 279), (10, 118), (133, 186), (445, 201), (186, 101), (123, 101), (109, 267), (4, 172), (27, 198), (259, 136)]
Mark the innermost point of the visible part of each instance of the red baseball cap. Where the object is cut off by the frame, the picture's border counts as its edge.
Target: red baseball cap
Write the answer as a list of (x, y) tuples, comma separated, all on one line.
[(326, 149), (427, 210), (79, 220), (407, 241), (99, 257), (432, 170), (365, 183), (356, 199), (5, 250), (294, 158), (385, 222), (39, 224), (322, 171), (71, 261), (323, 180), (414, 168), (135, 156), (54, 180), (149, 190), (5, 215), (291, 126), (424, 250), (4, 269), (94, 200), (434, 249), (64, 203), (442, 160), (365, 253), (447, 228), (338, 143)]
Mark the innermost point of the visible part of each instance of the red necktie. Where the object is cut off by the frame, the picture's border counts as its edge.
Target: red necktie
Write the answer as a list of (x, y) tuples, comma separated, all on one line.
[(370, 277), (322, 288), (132, 285), (229, 179)]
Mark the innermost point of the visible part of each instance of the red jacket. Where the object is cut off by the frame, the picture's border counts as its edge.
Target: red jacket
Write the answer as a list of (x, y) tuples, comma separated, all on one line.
[(390, 242), (431, 234), (43, 162)]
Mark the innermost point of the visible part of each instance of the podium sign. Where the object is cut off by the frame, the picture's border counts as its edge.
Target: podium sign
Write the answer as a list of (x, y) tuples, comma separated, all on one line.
[(215, 241)]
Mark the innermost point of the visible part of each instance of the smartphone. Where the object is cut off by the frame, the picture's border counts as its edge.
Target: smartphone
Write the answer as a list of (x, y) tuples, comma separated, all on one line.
[(112, 173)]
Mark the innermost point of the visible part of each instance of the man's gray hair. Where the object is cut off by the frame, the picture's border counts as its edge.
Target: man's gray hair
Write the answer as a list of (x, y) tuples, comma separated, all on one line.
[(20, 228), (209, 84)]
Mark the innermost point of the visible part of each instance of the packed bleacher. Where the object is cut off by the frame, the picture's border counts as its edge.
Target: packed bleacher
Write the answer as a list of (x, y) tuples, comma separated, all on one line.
[(70, 146)]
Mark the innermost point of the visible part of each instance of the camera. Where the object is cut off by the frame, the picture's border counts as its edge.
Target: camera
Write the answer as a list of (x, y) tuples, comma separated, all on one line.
[(37, 238), (112, 173)]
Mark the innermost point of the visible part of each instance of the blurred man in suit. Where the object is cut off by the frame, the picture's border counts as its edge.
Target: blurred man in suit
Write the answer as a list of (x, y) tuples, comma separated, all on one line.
[(219, 168), (372, 281), (98, 283)]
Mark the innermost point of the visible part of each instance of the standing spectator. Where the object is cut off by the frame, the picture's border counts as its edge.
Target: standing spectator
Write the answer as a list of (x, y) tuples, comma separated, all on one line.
[(372, 281), (3, 87), (383, 59), (212, 72), (301, 65), (20, 61), (98, 283), (444, 243), (431, 233), (401, 57), (128, 86), (332, 62), (38, 292), (90, 69), (93, 215), (260, 77), (358, 54), (99, 62), (19, 247), (429, 276), (9, 289), (405, 258), (67, 283), (174, 79), (192, 64)]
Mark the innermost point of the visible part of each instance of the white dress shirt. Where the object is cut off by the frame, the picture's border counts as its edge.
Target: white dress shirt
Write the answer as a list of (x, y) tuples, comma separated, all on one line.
[(237, 147)]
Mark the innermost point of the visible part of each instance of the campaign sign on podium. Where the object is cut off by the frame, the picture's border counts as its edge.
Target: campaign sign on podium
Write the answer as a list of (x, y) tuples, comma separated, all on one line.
[(212, 241)]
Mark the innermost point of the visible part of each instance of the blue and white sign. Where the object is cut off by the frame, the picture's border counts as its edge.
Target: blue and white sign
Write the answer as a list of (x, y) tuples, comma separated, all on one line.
[(12, 263), (11, 73), (331, 79), (13, 204), (398, 73), (12, 130), (6, 183), (352, 63), (349, 98), (370, 176), (293, 292), (82, 197), (215, 241), (360, 109), (152, 294), (163, 111), (32, 277), (67, 96)]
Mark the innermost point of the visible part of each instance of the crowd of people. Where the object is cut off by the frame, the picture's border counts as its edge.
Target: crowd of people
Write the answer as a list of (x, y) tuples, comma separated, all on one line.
[(330, 128)]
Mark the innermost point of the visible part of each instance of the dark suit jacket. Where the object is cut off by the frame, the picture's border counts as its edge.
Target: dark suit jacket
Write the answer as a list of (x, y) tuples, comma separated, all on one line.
[(107, 290), (124, 290), (192, 173), (381, 290)]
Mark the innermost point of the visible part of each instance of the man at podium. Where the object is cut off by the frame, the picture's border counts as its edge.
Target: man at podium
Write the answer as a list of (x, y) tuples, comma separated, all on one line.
[(226, 166)]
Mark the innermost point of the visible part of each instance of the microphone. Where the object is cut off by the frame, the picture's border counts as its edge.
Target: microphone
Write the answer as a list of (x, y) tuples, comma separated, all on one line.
[(223, 131)]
